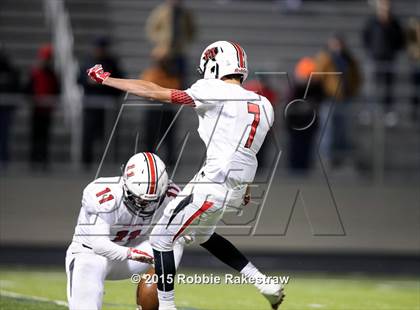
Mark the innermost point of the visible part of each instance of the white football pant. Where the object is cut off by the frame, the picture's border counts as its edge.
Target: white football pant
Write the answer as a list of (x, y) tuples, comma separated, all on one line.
[(195, 212), (87, 272)]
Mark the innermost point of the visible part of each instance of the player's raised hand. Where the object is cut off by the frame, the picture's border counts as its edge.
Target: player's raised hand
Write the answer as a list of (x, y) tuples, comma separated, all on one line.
[(139, 256), (97, 74)]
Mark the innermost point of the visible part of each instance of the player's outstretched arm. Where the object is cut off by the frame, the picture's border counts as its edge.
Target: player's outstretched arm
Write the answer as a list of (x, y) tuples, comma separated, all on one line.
[(140, 88)]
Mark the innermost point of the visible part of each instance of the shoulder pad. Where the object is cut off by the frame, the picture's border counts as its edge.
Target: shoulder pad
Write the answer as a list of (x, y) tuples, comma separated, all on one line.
[(102, 195)]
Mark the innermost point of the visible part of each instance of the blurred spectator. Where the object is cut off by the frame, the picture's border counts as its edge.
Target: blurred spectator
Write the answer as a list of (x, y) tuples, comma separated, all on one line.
[(262, 87), (171, 28), (158, 119), (43, 87), (302, 116), (96, 98), (383, 38), (413, 42), (9, 83), (339, 91)]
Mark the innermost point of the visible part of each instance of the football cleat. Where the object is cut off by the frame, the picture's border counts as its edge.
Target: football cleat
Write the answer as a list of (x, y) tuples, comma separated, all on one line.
[(166, 305), (273, 293)]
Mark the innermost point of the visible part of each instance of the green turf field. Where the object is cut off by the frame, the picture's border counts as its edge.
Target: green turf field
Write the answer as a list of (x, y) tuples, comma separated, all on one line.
[(38, 289)]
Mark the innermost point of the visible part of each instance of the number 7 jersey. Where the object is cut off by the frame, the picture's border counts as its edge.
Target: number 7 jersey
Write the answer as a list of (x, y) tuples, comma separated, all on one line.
[(233, 123)]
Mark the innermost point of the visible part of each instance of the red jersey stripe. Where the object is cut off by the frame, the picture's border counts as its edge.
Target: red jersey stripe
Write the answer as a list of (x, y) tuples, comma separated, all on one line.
[(206, 205)]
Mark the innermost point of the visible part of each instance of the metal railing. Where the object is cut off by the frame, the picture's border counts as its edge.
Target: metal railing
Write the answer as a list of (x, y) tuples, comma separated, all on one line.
[(68, 68), (372, 147)]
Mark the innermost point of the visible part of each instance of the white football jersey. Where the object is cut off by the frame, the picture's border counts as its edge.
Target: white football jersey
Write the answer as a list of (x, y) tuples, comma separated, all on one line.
[(233, 123), (103, 206)]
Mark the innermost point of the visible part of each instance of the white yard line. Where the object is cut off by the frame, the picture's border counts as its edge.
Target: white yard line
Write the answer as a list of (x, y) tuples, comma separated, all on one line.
[(35, 298), (63, 303), (43, 299), (6, 283)]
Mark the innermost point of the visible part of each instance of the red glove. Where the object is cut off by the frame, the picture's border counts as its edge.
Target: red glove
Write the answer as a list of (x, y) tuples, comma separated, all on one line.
[(139, 256), (97, 74)]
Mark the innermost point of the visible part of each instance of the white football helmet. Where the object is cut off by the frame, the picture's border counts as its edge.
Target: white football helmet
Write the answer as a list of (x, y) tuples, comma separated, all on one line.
[(145, 183), (223, 58)]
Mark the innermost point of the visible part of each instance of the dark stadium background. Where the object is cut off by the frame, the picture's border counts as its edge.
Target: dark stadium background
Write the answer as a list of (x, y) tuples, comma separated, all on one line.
[(364, 216)]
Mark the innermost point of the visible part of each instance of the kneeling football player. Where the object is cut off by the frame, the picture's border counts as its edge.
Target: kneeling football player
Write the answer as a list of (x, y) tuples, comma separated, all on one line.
[(116, 213)]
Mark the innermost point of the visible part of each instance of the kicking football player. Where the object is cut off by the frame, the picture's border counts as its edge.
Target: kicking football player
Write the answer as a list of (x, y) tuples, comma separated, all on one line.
[(116, 213), (233, 123)]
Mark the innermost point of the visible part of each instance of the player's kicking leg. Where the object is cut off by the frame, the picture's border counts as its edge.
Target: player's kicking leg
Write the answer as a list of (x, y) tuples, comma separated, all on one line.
[(192, 212), (226, 252)]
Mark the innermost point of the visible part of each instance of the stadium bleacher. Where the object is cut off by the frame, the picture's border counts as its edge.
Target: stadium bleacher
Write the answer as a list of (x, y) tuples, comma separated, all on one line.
[(261, 27)]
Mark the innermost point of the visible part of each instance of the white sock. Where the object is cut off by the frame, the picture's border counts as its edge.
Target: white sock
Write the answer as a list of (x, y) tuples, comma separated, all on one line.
[(250, 271), (168, 296)]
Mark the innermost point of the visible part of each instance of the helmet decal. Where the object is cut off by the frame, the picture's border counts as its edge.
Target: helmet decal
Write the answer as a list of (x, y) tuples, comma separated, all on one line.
[(130, 173), (210, 53)]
